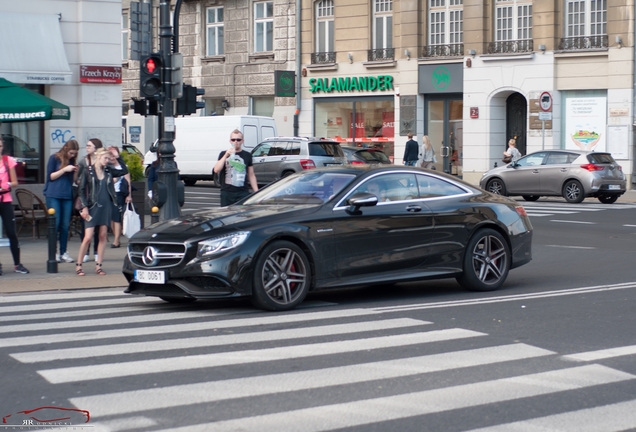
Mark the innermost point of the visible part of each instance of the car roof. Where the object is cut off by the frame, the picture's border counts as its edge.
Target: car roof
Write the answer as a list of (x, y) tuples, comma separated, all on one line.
[(300, 139)]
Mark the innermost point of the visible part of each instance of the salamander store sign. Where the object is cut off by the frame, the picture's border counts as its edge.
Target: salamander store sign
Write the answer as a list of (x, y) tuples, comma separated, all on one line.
[(350, 84)]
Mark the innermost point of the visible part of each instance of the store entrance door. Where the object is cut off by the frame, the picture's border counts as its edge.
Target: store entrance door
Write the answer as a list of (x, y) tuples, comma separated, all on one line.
[(444, 127)]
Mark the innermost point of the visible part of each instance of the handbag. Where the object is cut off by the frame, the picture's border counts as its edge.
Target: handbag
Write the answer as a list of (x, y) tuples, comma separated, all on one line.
[(131, 221), (507, 159)]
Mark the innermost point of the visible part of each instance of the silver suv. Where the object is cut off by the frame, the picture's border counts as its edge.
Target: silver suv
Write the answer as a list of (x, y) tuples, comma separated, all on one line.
[(279, 157)]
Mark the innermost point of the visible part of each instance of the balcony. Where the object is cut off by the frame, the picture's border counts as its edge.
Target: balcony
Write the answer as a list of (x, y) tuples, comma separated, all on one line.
[(381, 54), (510, 47), (583, 43), (450, 50), (323, 58)]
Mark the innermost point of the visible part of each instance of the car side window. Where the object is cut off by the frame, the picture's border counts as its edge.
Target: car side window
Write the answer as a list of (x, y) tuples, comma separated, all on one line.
[(278, 148), (557, 159), (294, 148), (433, 187), (534, 159), (261, 150), (390, 187)]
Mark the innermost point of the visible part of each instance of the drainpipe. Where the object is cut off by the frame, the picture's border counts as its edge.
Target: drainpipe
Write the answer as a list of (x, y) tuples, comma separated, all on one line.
[(299, 66)]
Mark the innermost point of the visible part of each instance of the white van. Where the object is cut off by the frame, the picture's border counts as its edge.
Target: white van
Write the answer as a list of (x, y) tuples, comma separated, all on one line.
[(199, 141)]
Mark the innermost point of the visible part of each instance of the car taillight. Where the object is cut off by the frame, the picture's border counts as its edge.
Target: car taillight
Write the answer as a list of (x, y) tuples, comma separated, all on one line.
[(357, 163), (521, 211), (592, 167), (620, 168), (307, 164)]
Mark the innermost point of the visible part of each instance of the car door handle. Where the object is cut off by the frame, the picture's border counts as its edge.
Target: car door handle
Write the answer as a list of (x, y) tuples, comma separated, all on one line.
[(413, 208), (564, 170), (535, 171), (262, 160)]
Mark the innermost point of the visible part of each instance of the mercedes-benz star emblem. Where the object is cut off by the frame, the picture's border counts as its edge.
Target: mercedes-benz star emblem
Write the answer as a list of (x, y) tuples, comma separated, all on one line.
[(149, 256)]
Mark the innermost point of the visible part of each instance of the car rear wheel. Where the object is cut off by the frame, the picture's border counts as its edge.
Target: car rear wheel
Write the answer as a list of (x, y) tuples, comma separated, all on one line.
[(486, 262), (608, 199), (573, 191), (282, 277), (496, 186), (189, 182), (531, 197)]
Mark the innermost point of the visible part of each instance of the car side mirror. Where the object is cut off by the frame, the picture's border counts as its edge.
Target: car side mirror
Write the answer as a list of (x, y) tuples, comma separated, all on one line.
[(361, 199)]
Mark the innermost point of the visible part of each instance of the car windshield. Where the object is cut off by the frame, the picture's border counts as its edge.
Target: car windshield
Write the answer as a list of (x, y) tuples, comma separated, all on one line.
[(325, 149), (303, 188), (601, 158)]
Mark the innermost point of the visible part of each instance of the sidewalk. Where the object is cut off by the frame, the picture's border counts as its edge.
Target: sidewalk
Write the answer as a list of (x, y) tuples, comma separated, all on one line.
[(34, 254)]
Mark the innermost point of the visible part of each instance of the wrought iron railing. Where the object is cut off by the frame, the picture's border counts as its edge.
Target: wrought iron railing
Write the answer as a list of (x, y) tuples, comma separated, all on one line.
[(510, 46), (381, 54), (449, 50), (323, 57), (583, 43)]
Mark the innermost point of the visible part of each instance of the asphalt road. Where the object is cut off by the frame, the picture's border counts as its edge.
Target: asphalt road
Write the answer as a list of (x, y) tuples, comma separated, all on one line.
[(554, 349)]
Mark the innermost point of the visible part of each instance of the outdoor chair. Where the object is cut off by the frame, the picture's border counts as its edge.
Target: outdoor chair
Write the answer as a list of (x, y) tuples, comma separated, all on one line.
[(32, 208)]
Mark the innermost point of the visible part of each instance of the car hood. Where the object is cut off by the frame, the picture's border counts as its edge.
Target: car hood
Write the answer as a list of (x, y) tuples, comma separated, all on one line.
[(202, 224)]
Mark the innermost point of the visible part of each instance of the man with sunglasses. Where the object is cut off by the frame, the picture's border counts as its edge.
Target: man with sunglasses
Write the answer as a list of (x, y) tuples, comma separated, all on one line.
[(235, 170)]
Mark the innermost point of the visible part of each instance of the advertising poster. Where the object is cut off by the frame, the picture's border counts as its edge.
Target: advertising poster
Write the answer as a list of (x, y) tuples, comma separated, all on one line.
[(586, 123)]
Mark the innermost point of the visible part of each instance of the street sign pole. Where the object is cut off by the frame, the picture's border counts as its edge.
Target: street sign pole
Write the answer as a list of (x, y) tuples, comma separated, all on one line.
[(167, 171), (542, 134)]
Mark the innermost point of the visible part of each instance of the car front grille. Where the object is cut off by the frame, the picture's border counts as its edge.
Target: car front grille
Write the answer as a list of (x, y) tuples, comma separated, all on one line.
[(156, 255)]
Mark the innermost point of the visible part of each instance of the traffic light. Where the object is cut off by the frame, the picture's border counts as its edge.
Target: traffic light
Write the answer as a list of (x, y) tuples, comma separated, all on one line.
[(188, 104), (150, 79)]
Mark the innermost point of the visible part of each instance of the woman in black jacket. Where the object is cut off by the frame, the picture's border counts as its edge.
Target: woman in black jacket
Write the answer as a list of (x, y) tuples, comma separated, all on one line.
[(97, 194)]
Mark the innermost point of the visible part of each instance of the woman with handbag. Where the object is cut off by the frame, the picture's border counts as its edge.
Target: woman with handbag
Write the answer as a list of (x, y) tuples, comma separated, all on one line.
[(9, 180), (512, 154), (427, 153), (58, 190), (124, 196), (86, 163), (97, 194)]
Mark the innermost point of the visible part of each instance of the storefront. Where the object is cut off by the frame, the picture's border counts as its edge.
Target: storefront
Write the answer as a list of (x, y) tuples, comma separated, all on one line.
[(343, 114), (441, 87)]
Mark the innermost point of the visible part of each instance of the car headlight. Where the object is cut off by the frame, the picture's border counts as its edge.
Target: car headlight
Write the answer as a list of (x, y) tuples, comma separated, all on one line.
[(221, 244)]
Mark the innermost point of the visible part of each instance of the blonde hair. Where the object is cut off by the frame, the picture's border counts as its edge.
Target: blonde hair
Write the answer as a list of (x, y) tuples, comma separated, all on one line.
[(512, 142), (426, 141)]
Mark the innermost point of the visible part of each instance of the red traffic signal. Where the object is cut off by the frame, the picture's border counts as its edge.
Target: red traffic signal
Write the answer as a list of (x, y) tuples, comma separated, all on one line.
[(151, 65), (150, 80)]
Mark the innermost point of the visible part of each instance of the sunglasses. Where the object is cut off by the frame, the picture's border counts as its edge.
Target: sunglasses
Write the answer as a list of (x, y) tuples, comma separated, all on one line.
[(236, 139)]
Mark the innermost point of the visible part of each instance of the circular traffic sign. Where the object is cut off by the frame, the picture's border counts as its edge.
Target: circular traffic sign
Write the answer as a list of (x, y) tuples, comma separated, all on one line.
[(545, 101)]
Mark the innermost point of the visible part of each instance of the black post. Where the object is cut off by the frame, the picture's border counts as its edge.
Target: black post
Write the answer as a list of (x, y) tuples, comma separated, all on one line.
[(51, 264), (167, 172)]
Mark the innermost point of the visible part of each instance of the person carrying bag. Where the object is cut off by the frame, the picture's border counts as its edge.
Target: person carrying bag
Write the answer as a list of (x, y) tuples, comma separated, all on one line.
[(131, 221)]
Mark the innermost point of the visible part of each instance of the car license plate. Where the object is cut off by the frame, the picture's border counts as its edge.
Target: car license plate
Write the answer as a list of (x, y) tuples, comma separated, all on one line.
[(613, 187), (150, 276), (333, 164)]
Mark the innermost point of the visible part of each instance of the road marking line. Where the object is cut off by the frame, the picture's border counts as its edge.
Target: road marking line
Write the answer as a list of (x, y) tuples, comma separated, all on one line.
[(74, 305), (601, 354), (574, 222), (571, 247), (11, 298), (172, 364), (216, 340), (615, 417), (212, 391), (369, 411)]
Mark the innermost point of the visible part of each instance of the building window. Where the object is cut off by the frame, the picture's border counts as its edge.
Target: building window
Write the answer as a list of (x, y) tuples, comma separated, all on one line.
[(586, 18), (262, 106), (214, 107), (513, 20), (263, 26), (445, 22), (383, 24), (124, 36), (324, 26), (215, 28)]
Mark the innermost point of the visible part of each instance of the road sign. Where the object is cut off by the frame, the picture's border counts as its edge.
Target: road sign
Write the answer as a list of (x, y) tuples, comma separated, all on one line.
[(545, 101), (545, 116)]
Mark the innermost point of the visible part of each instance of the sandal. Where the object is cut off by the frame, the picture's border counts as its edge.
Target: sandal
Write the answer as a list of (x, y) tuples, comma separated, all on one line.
[(98, 269), (78, 270)]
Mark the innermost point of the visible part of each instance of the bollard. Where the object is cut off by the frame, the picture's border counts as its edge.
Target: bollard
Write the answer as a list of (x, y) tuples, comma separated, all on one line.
[(154, 218), (51, 264)]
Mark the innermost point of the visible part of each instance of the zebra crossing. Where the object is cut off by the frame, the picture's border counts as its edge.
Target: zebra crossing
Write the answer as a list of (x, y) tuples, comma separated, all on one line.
[(318, 368), (554, 208)]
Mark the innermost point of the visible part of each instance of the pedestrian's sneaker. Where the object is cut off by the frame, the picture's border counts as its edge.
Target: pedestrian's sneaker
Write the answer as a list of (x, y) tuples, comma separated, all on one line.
[(57, 258), (86, 258), (96, 257), (66, 258), (21, 269)]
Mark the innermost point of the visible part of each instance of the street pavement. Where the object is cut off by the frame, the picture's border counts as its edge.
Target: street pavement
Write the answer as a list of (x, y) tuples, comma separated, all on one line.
[(34, 255)]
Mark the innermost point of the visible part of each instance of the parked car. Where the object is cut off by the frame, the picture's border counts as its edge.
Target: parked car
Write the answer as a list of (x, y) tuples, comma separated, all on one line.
[(572, 174), (323, 228), (280, 157), (362, 155), (131, 148)]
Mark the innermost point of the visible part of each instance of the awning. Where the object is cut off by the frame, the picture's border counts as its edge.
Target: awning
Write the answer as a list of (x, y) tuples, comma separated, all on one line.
[(18, 104), (32, 49)]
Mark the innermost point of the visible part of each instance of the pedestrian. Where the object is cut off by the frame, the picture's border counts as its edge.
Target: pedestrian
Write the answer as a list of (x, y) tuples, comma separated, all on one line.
[(411, 151), (427, 154), (86, 163), (123, 191), (236, 173), (8, 181), (512, 151), (97, 194), (58, 190)]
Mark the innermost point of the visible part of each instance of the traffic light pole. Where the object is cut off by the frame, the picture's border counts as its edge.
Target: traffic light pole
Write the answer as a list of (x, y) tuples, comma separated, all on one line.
[(167, 172)]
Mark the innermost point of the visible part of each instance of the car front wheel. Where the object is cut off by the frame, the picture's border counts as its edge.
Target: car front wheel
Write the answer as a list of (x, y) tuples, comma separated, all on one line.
[(282, 277), (531, 197), (486, 262), (573, 192), (608, 199), (496, 186)]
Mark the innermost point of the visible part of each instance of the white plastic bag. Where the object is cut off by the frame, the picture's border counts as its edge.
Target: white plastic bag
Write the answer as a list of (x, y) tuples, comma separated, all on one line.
[(131, 221)]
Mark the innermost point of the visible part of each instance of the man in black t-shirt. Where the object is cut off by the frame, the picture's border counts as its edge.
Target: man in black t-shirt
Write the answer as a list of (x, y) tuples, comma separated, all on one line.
[(235, 170), (411, 151)]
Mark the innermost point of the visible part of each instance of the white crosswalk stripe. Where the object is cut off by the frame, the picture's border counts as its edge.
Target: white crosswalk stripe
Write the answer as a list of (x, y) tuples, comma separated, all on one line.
[(71, 346), (551, 208)]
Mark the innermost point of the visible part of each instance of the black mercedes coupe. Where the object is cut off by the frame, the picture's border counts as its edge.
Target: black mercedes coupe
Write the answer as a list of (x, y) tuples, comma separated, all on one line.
[(331, 228)]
